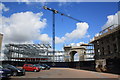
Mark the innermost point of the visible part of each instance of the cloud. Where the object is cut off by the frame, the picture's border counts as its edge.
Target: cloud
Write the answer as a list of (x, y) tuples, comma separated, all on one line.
[(62, 0), (76, 44), (22, 27), (25, 27), (88, 36), (112, 20), (45, 38), (26, 1), (42, 2), (3, 7), (61, 3), (78, 33), (59, 40)]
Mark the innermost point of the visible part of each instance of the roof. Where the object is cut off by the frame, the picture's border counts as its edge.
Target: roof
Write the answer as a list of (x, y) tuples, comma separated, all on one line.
[(106, 32), (86, 45)]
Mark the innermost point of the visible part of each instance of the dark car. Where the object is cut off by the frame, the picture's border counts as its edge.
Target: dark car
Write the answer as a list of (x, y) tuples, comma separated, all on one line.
[(31, 67), (15, 71), (4, 73), (40, 66), (46, 66)]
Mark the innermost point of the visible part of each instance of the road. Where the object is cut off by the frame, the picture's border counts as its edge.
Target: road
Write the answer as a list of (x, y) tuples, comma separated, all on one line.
[(66, 73)]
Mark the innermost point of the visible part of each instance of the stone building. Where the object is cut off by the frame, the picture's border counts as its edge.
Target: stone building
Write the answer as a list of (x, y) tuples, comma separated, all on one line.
[(70, 51), (107, 43), (85, 52)]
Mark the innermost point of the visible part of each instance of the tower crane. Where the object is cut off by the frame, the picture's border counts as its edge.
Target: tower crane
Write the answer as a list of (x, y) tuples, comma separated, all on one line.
[(57, 12)]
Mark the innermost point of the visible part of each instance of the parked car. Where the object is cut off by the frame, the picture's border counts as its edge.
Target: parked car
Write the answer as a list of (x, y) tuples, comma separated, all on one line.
[(15, 71), (31, 67), (46, 66), (40, 66), (4, 73)]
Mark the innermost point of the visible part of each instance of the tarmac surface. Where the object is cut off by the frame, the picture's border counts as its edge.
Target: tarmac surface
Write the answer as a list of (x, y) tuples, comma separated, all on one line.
[(66, 73)]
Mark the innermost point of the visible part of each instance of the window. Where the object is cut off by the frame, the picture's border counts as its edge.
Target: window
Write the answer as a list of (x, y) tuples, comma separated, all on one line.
[(113, 37), (107, 40), (98, 51), (98, 43), (108, 49), (103, 50), (115, 47), (26, 65), (102, 42), (31, 65)]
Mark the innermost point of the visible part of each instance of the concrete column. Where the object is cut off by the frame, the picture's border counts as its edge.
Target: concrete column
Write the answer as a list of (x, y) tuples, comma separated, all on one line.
[(81, 55), (67, 53)]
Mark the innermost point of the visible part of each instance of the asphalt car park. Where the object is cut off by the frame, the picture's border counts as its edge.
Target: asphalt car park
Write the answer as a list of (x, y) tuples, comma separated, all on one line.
[(8, 70), (66, 73)]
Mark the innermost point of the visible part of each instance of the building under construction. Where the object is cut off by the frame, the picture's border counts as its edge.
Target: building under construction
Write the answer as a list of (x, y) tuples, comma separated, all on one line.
[(107, 48), (32, 52)]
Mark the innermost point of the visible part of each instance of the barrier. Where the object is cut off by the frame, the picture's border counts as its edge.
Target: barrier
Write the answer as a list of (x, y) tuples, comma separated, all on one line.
[(112, 65)]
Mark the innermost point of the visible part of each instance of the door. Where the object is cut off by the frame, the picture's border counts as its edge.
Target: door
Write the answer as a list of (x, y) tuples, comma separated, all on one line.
[(26, 67), (30, 67)]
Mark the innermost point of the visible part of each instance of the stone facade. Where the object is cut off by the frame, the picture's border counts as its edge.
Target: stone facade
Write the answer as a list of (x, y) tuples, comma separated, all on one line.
[(107, 45), (70, 51)]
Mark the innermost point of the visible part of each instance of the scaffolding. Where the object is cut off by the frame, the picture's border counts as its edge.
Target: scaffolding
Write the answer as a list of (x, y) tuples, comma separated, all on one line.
[(89, 52), (110, 30), (32, 52)]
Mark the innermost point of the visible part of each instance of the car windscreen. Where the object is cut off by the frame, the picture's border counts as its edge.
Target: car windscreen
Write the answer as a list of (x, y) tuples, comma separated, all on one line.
[(44, 65), (36, 65), (11, 66), (1, 67)]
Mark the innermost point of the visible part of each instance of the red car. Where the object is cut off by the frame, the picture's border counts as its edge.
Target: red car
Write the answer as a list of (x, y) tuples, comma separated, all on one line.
[(31, 67)]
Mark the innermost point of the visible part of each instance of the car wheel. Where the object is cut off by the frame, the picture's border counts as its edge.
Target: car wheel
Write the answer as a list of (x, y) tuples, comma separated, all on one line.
[(14, 73), (35, 70)]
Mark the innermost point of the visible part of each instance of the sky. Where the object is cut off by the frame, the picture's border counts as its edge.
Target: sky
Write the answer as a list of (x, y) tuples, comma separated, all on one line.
[(28, 22)]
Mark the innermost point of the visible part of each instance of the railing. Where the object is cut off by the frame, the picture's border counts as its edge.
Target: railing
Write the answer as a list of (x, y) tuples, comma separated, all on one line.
[(105, 31), (108, 29)]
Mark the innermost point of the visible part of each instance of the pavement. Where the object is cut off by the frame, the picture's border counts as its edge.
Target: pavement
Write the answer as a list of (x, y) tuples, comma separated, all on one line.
[(66, 73)]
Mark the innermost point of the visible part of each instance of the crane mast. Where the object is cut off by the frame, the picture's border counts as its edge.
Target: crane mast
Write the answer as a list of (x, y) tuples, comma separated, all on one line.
[(57, 12)]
